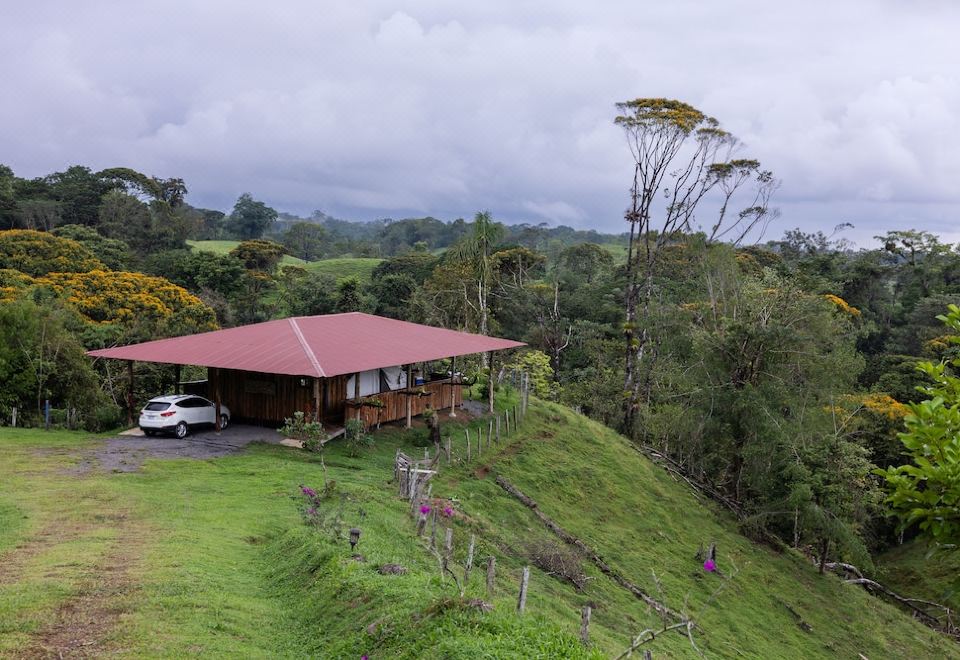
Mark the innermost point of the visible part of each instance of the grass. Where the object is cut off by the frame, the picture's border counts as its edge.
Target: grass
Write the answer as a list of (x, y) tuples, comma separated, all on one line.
[(359, 267), (340, 267), (224, 566), (913, 571)]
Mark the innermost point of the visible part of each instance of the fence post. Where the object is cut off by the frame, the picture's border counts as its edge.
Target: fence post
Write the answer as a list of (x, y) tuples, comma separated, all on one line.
[(448, 547), (491, 574), (46, 413), (506, 419), (449, 458), (490, 432), (467, 433), (479, 442), (498, 429), (585, 625), (469, 565), (524, 580), (13, 422)]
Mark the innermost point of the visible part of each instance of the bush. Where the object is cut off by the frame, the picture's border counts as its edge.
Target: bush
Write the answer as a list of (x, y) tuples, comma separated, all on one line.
[(104, 418), (356, 437), (38, 253), (558, 561)]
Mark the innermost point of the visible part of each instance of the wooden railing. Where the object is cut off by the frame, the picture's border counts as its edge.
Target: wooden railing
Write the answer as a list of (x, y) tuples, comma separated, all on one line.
[(393, 404)]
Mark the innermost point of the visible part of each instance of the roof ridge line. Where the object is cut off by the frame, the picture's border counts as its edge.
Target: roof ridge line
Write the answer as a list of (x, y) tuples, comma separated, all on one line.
[(306, 347)]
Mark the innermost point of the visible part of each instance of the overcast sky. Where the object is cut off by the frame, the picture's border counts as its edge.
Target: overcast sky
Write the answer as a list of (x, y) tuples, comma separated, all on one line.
[(375, 109)]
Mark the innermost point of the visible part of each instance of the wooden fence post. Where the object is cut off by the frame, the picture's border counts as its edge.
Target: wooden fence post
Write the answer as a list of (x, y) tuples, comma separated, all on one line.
[(469, 565), (448, 547), (449, 459), (467, 433), (491, 575), (524, 580), (498, 429), (506, 419), (585, 625), (13, 421), (490, 432)]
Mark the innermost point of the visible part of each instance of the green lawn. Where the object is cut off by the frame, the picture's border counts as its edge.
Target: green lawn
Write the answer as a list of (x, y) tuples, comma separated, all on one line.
[(212, 558)]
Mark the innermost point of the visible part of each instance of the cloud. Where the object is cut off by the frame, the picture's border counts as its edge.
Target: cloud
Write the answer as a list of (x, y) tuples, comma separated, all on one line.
[(381, 109)]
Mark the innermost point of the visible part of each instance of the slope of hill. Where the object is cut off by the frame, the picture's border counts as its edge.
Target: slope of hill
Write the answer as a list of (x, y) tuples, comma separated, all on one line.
[(223, 564), (914, 571)]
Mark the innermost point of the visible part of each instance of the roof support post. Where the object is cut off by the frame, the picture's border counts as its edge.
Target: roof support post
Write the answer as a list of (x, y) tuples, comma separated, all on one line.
[(176, 379), (356, 394), (490, 382), (130, 393), (216, 397), (453, 386), (317, 402), (409, 394)]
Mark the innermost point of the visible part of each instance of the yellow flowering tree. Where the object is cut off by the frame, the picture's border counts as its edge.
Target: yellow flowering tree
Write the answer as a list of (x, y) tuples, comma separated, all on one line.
[(38, 253)]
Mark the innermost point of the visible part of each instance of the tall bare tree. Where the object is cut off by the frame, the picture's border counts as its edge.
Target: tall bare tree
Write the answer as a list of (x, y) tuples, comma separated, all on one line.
[(680, 154)]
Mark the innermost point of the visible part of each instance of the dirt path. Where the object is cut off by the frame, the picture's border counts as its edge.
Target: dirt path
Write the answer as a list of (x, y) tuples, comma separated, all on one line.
[(84, 626), (13, 562)]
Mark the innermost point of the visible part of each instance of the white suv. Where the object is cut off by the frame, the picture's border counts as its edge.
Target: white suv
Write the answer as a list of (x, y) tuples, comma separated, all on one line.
[(178, 413)]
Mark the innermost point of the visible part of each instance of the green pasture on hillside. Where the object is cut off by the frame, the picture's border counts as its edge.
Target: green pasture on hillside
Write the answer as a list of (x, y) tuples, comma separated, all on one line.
[(212, 557)]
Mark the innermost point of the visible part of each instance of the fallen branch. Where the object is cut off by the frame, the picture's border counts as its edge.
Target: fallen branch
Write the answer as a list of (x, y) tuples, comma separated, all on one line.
[(871, 585), (671, 466), (597, 560), (943, 623), (649, 635)]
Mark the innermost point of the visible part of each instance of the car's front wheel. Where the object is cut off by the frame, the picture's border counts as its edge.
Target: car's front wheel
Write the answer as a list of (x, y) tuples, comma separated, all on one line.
[(224, 421), (181, 430)]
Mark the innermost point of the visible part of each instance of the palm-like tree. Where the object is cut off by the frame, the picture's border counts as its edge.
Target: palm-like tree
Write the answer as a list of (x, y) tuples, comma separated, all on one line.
[(476, 250)]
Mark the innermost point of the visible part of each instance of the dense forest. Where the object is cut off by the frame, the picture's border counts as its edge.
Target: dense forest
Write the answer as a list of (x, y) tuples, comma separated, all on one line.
[(776, 377)]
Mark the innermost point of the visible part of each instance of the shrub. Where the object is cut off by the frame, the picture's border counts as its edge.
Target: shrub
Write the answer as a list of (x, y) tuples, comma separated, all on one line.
[(356, 437), (38, 253), (558, 561)]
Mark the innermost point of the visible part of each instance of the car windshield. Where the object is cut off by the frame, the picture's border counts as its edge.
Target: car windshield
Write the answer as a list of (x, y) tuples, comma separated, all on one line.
[(157, 405)]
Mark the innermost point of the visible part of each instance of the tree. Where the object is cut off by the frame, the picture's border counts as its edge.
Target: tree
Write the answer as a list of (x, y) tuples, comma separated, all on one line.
[(113, 253), (250, 218), (679, 155), (349, 298), (305, 294), (476, 250), (126, 218), (259, 255), (38, 253), (305, 240), (926, 493), (41, 359)]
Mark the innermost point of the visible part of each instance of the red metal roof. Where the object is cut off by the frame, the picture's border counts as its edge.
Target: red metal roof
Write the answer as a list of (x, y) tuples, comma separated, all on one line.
[(320, 346)]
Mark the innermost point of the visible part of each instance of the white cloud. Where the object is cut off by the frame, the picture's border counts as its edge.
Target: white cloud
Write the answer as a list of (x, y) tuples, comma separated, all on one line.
[(375, 109)]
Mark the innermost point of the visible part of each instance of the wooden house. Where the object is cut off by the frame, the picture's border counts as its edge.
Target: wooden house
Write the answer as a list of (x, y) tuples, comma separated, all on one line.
[(332, 367)]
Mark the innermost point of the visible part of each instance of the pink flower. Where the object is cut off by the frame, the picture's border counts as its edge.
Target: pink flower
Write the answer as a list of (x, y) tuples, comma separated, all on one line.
[(709, 566), (425, 509), (309, 492), (447, 511), (364, 657)]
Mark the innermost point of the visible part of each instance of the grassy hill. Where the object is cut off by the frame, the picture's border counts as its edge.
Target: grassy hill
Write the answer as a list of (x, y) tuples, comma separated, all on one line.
[(214, 557), (340, 267), (912, 571)]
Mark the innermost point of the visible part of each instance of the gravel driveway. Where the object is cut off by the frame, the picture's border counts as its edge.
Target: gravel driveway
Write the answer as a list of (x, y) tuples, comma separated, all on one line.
[(126, 453)]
